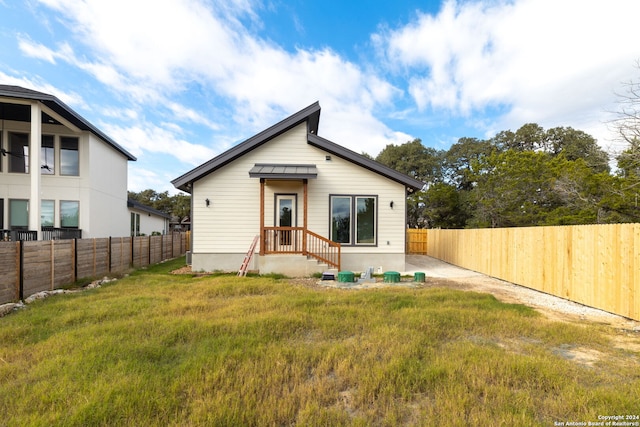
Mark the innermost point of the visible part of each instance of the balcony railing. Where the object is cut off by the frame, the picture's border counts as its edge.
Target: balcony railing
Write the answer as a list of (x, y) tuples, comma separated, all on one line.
[(297, 240), (48, 233)]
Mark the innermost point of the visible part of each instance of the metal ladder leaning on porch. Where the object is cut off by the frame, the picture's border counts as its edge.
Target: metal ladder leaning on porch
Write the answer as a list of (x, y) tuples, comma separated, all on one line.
[(247, 259)]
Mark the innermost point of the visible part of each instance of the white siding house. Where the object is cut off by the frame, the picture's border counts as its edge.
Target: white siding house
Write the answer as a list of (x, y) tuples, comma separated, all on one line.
[(58, 172), (147, 221), (303, 196)]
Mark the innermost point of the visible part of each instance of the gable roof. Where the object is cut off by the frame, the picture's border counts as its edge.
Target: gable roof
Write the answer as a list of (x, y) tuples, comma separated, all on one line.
[(134, 204), (60, 108), (311, 115)]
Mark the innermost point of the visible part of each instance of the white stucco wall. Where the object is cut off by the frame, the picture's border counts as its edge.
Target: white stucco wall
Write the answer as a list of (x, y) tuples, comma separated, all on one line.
[(107, 190), (100, 188)]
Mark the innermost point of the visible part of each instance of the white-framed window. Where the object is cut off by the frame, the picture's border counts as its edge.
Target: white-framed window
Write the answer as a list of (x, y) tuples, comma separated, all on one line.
[(135, 224), (354, 219)]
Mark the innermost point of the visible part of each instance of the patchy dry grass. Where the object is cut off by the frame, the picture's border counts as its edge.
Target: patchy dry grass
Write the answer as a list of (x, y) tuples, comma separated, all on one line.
[(161, 349)]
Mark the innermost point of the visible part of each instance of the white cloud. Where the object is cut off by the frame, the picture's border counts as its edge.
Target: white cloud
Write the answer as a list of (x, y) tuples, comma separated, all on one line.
[(145, 137), (151, 52), (69, 98), (556, 63), (36, 50)]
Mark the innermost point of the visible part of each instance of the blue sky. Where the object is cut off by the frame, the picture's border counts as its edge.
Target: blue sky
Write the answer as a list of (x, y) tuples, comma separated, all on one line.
[(177, 82)]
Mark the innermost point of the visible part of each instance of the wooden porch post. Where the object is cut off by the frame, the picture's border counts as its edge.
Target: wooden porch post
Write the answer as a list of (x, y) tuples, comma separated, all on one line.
[(262, 249), (304, 216)]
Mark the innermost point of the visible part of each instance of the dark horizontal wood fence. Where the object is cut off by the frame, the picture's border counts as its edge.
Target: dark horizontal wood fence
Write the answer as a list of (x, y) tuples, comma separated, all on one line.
[(28, 267)]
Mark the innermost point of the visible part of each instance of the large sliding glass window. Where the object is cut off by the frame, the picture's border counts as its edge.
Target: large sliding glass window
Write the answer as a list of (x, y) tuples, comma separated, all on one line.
[(19, 214), (69, 214), (354, 220), (69, 157), (47, 155), (18, 152)]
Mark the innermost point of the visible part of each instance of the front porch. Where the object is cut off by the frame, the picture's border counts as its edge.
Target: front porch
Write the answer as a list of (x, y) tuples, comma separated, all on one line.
[(300, 241), (285, 237)]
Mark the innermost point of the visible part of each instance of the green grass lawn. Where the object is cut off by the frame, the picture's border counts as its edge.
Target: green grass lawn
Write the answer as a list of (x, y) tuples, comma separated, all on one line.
[(160, 349)]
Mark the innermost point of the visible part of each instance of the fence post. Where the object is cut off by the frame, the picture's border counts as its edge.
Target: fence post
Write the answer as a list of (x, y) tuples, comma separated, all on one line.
[(21, 269), (53, 266), (109, 254), (74, 255)]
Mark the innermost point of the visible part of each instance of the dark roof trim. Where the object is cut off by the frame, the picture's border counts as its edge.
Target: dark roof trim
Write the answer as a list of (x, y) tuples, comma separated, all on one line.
[(310, 114), (134, 204), (282, 171), (360, 160), (63, 110)]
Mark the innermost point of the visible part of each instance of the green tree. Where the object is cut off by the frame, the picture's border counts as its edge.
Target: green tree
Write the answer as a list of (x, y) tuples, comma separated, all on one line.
[(413, 159), (177, 205), (457, 161), (576, 144), (444, 207)]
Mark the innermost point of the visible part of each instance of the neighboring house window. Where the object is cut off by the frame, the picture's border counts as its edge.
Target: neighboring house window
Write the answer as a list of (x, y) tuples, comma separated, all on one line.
[(135, 224), (19, 214), (19, 152), (47, 155), (354, 220), (69, 213), (1, 214), (69, 158), (47, 213)]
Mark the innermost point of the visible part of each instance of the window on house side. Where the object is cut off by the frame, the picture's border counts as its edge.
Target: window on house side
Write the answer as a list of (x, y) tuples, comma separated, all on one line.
[(353, 220), (135, 224), (47, 155), (69, 213), (341, 219), (18, 152), (69, 157), (47, 213), (366, 220), (19, 214)]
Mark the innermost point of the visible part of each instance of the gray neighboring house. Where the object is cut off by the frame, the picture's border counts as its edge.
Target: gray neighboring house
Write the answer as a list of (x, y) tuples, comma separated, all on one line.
[(309, 203)]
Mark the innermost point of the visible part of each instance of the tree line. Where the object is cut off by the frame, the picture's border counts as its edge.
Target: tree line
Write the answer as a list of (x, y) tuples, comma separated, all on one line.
[(177, 205), (529, 177)]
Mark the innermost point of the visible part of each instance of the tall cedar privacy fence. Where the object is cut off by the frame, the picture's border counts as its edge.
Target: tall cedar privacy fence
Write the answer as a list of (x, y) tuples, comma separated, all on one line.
[(595, 265), (29, 267)]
